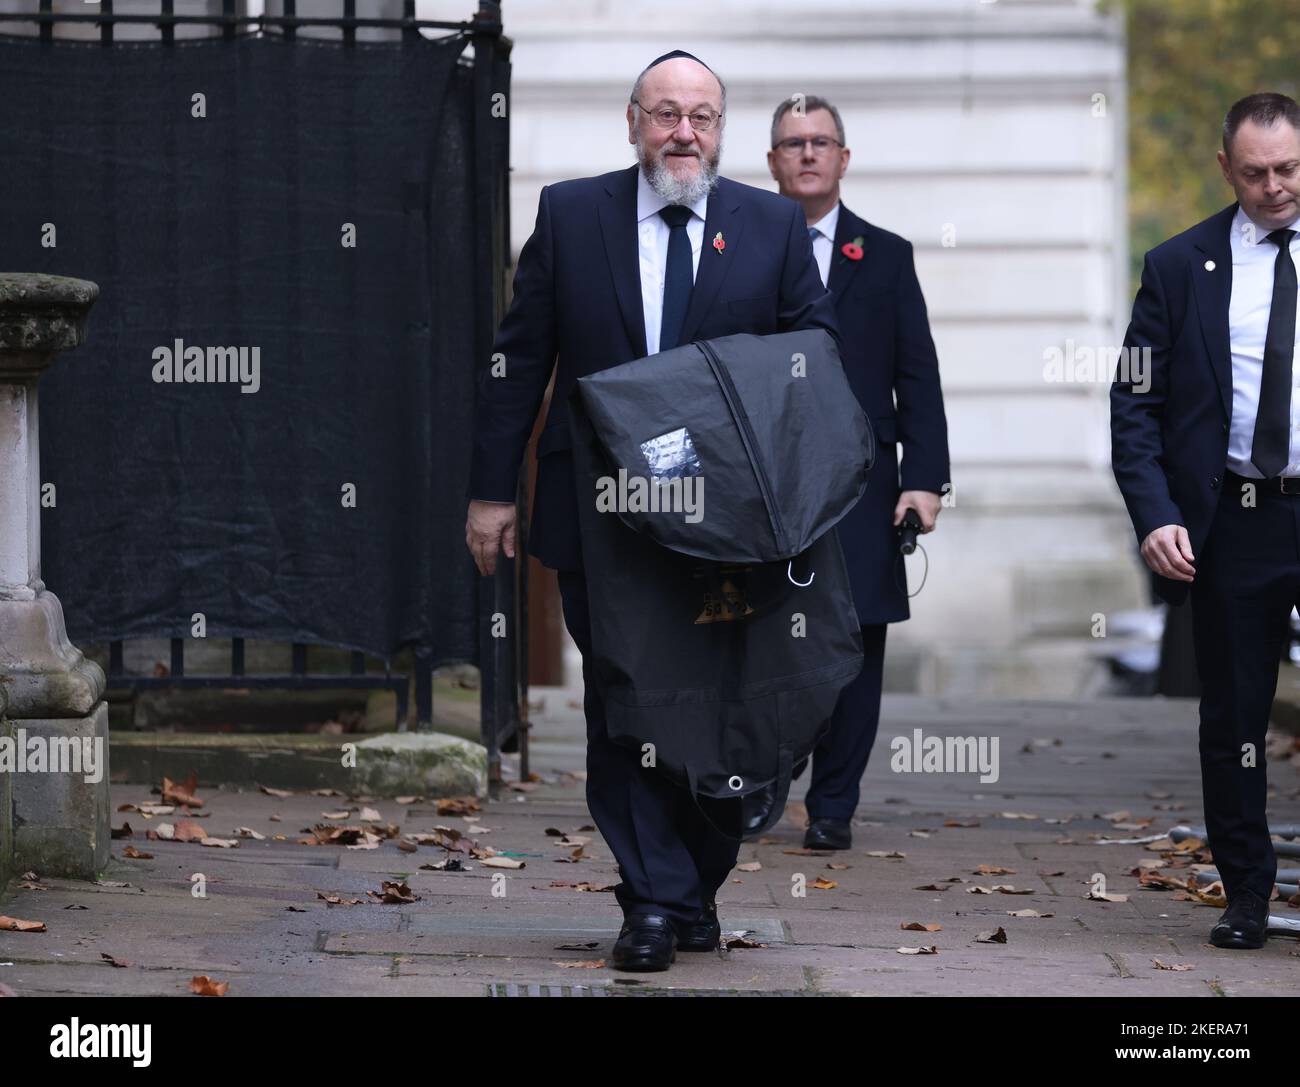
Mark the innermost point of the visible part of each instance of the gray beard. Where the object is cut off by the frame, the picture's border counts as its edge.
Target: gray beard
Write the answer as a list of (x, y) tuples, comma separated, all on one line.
[(673, 189)]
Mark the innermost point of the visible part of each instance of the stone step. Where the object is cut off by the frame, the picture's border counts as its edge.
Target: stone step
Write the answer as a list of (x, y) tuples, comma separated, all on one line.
[(428, 764)]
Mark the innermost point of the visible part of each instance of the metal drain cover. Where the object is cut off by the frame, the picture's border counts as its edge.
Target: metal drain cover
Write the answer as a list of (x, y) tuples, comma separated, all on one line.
[(513, 988)]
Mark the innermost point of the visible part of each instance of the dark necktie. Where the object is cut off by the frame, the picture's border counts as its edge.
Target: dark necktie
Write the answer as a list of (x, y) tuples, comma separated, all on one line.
[(679, 276), (1271, 450)]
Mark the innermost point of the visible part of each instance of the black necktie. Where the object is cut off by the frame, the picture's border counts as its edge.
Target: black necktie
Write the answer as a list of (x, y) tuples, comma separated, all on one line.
[(679, 276), (1271, 450)]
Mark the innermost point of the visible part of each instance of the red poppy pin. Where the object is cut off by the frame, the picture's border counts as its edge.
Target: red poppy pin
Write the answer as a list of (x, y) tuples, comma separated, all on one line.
[(718, 243), (853, 249)]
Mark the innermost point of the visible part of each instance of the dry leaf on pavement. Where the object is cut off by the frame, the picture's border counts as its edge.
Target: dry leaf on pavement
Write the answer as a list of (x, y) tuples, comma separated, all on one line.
[(13, 924), (184, 793), (394, 894)]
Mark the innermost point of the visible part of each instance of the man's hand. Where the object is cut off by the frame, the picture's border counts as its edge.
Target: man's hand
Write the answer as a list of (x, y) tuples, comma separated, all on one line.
[(1168, 552), (489, 525), (926, 503)]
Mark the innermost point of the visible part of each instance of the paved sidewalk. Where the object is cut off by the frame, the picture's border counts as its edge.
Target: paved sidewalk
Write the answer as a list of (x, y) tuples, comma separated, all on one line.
[(263, 928)]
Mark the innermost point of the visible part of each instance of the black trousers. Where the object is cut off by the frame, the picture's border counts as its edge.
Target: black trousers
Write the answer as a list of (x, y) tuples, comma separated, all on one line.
[(1247, 580), (671, 859), (840, 758)]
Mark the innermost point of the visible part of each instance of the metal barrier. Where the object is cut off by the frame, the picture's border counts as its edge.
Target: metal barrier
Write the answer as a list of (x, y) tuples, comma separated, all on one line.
[(503, 660)]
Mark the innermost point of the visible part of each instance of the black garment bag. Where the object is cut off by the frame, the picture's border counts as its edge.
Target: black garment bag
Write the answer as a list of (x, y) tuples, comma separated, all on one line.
[(710, 478)]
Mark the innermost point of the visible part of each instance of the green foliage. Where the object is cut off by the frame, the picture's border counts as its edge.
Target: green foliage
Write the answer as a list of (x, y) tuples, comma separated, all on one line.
[(1188, 61)]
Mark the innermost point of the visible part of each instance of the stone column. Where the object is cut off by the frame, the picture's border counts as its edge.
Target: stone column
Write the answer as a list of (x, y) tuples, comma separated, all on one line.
[(55, 754)]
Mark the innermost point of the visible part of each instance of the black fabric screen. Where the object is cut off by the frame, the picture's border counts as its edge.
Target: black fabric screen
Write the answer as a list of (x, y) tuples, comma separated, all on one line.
[(226, 231)]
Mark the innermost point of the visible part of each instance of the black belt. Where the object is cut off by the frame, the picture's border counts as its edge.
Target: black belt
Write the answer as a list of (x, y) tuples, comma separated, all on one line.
[(1287, 485)]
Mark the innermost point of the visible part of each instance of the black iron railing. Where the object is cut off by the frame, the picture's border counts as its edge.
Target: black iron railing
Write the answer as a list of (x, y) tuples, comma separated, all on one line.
[(503, 660)]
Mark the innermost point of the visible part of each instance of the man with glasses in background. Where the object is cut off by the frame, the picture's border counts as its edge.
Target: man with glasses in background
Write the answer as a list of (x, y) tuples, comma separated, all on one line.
[(619, 267), (891, 364)]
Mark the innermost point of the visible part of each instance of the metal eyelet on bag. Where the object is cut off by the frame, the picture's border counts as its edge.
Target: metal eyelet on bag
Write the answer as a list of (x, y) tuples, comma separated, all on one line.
[(789, 572), (735, 783)]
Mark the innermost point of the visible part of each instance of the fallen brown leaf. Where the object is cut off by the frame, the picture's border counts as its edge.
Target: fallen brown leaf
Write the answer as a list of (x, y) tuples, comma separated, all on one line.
[(184, 793), (202, 985), (457, 805), (337, 900), (13, 924), (394, 894)]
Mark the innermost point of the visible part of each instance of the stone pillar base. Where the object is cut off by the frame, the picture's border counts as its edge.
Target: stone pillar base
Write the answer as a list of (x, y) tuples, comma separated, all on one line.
[(61, 819), (44, 673)]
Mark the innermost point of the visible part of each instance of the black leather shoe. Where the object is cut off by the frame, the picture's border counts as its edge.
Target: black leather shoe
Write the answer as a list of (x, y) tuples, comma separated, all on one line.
[(702, 934), (828, 834), (754, 809), (647, 942), (1244, 923)]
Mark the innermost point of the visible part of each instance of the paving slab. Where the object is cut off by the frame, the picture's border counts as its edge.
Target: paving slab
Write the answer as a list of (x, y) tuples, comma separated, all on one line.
[(1067, 773)]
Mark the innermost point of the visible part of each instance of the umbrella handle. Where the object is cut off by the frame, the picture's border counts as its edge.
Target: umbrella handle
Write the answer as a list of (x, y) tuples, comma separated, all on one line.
[(789, 572)]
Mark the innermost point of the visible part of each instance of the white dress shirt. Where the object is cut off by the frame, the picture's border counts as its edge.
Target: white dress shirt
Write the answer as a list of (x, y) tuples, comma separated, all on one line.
[(652, 241), (824, 241), (1253, 257)]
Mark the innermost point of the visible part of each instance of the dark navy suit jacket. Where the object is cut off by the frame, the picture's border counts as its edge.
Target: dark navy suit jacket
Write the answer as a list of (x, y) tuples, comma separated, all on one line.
[(577, 306), (1169, 445), (889, 356)]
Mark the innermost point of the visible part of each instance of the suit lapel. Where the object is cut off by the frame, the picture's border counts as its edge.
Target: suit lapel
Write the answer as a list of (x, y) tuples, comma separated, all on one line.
[(725, 216), (843, 269), (618, 230), (1212, 280)]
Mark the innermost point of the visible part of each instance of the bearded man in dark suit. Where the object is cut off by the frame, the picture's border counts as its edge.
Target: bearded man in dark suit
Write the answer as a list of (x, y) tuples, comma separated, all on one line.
[(619, 267)]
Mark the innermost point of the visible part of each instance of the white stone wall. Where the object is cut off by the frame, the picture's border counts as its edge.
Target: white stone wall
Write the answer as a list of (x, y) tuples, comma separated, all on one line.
[(976, 118)]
